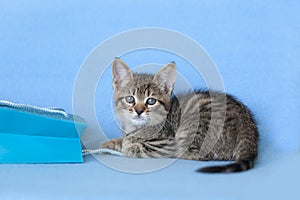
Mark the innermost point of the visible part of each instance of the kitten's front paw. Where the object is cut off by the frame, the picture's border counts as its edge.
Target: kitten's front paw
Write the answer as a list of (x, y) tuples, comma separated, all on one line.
[(115, 144), (108, 145), (134, 151)]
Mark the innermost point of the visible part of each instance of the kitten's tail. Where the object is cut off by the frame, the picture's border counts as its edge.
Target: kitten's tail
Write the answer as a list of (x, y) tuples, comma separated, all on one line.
[(238, 166)]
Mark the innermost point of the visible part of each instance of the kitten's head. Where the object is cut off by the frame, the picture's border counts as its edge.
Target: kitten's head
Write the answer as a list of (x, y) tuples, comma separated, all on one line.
[(142, 99)]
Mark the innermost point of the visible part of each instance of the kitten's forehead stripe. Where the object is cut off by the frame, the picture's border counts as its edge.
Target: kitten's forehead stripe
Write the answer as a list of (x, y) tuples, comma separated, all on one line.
[(151, 93)]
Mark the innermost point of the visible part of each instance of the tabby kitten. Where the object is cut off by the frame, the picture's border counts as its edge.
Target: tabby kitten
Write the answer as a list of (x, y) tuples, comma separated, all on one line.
[(199, 125)]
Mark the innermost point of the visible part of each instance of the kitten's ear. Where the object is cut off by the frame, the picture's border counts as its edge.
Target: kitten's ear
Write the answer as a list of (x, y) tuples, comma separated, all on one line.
[(166, 77), (121, 73)]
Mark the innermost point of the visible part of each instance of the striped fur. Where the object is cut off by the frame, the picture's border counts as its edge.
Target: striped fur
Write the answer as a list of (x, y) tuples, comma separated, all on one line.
[(196, 125)]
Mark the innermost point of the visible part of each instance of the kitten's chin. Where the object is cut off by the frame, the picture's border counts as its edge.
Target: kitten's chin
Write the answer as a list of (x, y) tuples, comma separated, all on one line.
[(138, 122)]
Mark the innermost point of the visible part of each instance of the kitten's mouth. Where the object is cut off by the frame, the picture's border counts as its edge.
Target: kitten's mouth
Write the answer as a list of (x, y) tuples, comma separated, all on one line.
[(138, 120)]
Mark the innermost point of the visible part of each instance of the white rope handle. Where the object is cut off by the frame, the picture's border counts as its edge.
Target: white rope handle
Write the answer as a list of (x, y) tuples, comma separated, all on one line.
[(30, 107), (100, 151)]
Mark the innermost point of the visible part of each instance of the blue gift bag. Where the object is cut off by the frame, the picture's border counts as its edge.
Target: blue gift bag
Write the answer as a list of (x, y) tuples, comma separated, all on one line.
[(31, 134)]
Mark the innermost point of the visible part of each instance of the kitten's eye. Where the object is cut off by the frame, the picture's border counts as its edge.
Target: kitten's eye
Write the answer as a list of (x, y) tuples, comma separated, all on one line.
[(130, 99), (151, 101)]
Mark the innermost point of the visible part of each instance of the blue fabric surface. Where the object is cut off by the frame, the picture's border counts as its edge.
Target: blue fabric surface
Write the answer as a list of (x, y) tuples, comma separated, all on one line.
[(255, 45)]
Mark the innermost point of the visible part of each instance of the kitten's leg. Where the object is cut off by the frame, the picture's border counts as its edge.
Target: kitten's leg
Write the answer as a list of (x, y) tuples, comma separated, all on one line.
[(151, 148), (188, 150), (114, 144), (188, 143), (134, 150)]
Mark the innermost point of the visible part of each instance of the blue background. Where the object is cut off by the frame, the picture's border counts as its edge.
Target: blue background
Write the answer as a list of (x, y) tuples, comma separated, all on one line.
[(255, 45)]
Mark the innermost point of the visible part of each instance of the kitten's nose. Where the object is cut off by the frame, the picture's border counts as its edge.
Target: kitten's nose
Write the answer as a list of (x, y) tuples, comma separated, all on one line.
[(139, 111)]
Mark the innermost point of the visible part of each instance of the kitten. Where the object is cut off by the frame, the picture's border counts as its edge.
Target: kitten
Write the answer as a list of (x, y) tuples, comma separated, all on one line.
[(199, 125)]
